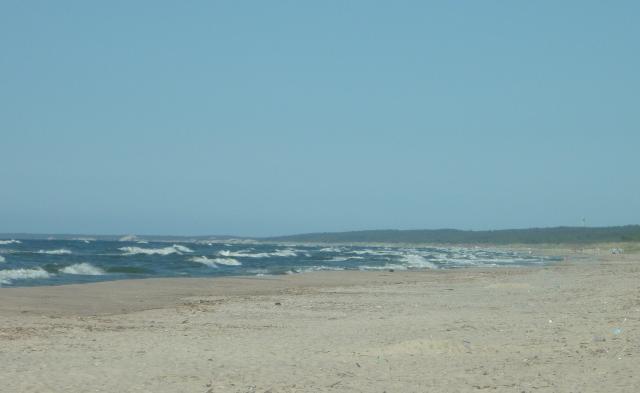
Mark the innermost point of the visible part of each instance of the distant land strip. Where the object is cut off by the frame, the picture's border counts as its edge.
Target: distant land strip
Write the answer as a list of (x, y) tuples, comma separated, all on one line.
[(555, 235)]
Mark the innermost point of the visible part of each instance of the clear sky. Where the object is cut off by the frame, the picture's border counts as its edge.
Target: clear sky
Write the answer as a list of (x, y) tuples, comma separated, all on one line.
[(278, 117)]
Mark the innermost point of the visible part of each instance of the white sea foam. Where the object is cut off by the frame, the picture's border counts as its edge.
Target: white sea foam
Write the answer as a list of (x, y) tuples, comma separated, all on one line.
[(214, 262), (284, 253), (245, 254), (84, 268), (344, 259), (374, 252), (7, 276), (418, 261), (62, 251), (227, 261), (175, 249), (10, 241), (389, 266), (182, 248), (314, 269), (2, 259), (242, 254), (148, 251), (204, 260), (330, 249)]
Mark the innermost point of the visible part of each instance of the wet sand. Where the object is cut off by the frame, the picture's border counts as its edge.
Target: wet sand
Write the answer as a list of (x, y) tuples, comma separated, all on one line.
[(571, 327)]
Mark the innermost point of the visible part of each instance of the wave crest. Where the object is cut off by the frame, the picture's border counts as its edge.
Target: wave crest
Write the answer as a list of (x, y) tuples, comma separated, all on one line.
[(12, 241), (7, 276), (243, 254), (84, 268), (418, 261), (175, 249), (216, 261), (62, 251)]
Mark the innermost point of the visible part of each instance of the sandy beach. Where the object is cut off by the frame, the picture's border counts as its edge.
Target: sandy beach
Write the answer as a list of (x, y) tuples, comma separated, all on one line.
[(571, 327)]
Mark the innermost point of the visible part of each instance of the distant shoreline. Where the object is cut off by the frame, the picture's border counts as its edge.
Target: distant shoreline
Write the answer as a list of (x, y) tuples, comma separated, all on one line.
[(526, 236)]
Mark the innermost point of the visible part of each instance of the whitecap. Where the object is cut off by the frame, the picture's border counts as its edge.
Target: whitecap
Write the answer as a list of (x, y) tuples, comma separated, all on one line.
[(175, 249), (330, 249), (7, 276), (10, 241), (245, 254), (345, 258), (84, 268), (148, 251), (227, 261), (2, 259), (284, 253), (182, 248), (374, 252), (214, 262), (418, 261), (62, 251)]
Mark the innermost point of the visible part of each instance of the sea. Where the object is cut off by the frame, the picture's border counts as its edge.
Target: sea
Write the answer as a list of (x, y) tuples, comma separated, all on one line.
[(58, 262)]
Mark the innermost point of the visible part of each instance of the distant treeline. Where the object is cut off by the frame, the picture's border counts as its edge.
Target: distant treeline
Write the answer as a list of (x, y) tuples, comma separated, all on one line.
[(582, 235), (579, 235)]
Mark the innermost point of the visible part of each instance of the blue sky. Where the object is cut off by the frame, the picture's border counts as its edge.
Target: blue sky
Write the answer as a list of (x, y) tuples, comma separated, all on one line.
[(264, 118)]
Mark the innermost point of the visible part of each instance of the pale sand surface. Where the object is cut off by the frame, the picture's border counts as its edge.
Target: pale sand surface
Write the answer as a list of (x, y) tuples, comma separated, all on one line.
[(548, 329)]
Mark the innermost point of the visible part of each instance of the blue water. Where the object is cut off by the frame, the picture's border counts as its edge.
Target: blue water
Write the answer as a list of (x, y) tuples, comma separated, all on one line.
[(55, 262)]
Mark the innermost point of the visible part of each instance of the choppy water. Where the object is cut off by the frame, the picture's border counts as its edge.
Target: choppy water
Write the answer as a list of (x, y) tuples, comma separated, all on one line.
[(55, 262)]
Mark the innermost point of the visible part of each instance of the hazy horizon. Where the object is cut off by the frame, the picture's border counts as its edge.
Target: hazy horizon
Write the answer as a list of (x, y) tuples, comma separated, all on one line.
[(231, 235), (265, 119)]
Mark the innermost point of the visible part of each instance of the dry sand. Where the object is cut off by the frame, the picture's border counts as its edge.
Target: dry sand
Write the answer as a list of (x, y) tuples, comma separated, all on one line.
[(572, 327)]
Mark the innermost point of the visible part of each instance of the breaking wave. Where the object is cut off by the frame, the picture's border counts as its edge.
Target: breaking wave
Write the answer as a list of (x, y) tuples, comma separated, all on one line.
[(214, 262), (62, 251), (3, 242), (84, 268), (8, 276), (175, 249), (344, 259), (227, 261), (244, 254), (418, 261), (182, 248), (331, 249)]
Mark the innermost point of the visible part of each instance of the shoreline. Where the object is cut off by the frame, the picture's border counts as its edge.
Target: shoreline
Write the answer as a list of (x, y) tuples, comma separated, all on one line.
[(132, 295), (567, 327)]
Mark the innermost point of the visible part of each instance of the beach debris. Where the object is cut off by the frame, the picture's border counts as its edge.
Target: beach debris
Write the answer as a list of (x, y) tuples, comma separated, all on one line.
[(358, 364), (599, 339), (616, 331), (334, 384), (467, 344), (391, 270), (278, 304), (616, 250)]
